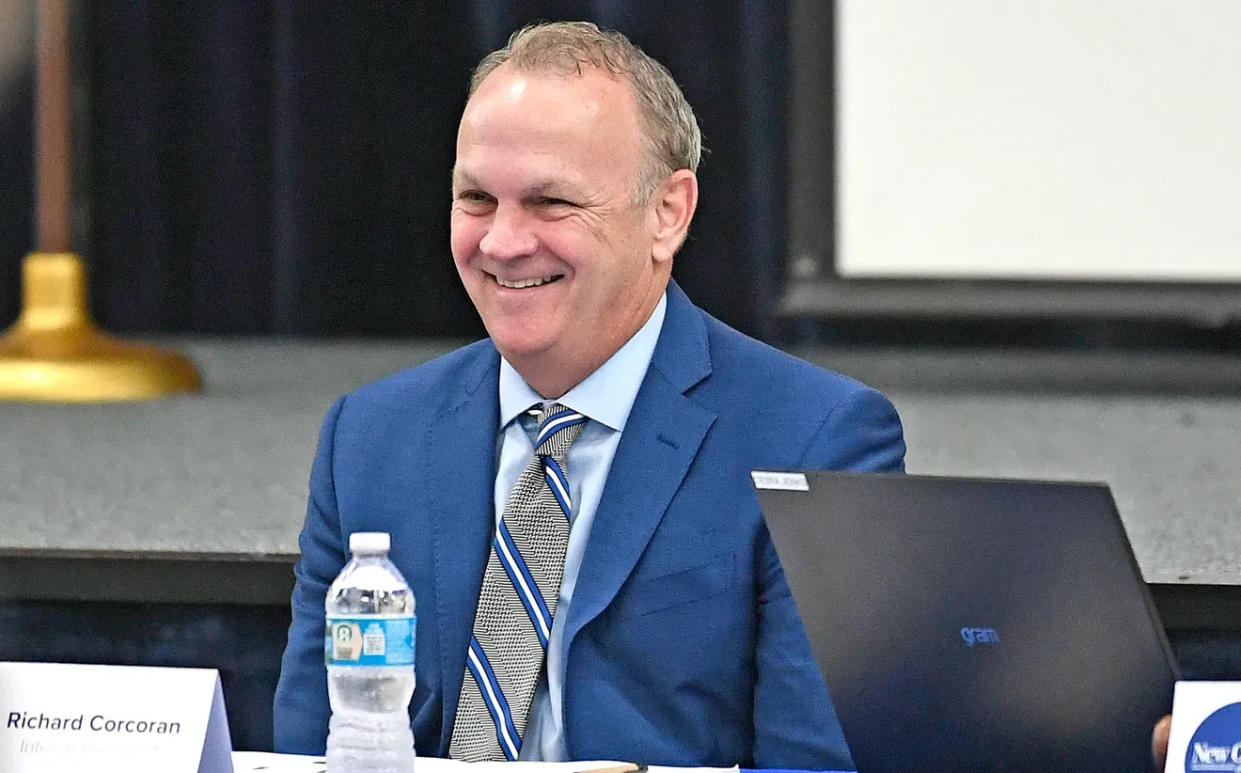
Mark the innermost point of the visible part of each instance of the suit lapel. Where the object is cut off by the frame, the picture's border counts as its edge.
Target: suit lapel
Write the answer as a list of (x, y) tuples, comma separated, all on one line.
[(459, 478), (659, 442)]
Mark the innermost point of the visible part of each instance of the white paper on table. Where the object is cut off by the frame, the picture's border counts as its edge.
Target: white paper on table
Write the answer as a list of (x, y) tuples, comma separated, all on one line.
[(248, 762), (266, 762)]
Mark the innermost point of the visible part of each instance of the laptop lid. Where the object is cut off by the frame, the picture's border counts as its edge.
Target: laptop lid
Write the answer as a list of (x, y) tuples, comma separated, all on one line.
[(965, 624)]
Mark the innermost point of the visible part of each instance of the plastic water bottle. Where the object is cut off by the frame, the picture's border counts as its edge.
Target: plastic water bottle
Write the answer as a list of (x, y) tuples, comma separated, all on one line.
[(370, 662)]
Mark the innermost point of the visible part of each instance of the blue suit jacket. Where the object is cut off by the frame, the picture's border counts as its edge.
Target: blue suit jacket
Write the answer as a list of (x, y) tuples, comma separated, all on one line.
[(683, 646)]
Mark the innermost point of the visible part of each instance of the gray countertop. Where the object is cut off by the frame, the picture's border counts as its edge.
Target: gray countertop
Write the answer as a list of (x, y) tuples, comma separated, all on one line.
[(222, 475)]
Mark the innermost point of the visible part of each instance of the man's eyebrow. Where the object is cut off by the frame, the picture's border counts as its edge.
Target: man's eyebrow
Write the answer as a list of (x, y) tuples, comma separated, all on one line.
[(541, 189), (464, 180), (461, 179)]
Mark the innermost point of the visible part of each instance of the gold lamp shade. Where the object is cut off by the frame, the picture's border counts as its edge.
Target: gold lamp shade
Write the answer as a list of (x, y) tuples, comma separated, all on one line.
[(55, 353)]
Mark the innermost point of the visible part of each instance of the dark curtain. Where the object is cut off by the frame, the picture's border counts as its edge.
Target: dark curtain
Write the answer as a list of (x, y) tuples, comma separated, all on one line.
[(274, 167), (16, 161), (282, 167)]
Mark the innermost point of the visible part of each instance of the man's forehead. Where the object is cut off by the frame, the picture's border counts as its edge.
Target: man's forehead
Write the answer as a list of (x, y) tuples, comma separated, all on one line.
[(590, 95), (528, 134)]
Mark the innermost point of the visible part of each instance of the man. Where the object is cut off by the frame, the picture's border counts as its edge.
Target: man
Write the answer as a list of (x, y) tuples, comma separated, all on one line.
[(670, 635)]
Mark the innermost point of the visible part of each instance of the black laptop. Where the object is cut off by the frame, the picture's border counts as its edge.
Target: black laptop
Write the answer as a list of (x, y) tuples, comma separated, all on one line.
[(973, 625)]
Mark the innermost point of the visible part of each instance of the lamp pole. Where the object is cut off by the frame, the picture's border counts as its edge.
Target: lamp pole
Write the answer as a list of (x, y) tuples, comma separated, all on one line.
[(51, 134)]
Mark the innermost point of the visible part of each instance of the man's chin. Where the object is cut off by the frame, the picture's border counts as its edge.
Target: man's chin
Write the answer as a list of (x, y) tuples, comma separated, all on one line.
[(523, 348)]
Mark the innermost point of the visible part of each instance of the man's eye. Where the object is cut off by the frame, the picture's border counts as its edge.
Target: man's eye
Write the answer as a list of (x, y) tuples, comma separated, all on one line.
[(473, 196), (552, 201)]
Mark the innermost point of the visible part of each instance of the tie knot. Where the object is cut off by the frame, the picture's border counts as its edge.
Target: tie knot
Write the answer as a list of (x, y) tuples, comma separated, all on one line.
[(558, 428)]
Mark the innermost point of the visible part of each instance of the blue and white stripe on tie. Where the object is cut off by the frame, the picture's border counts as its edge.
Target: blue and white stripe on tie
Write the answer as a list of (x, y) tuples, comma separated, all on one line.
[(553, 424), (517, 599), (523, 583), (558, 483), (497, 706)]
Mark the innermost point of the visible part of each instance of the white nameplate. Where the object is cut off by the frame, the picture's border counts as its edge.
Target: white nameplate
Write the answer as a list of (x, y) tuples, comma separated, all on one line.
[(780, 481), (119, 719), (1206, 727)]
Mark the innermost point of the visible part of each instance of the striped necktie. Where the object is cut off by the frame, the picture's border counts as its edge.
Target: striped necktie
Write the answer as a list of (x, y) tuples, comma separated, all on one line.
[(518, 597)]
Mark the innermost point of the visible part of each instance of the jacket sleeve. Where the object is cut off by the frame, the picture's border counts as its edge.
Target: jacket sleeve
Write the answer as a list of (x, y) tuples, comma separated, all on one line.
[(300, 710), (795, 724)]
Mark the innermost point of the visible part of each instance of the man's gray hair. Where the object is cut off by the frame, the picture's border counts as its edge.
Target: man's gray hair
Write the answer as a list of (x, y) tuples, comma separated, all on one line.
[(671, 137)]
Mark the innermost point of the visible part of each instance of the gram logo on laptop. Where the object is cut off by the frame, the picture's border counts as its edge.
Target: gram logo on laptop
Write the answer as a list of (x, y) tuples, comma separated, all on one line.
[(974, 636), (1216, 744)]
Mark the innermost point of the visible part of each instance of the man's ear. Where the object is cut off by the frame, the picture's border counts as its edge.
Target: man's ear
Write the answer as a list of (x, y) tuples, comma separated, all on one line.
[(672, 208)]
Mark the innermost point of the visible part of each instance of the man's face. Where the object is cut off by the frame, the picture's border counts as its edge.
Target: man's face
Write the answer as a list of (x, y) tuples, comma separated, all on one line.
[(547, 239)]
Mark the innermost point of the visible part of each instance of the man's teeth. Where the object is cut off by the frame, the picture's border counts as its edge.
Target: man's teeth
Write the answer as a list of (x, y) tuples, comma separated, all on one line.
[(517, 284)]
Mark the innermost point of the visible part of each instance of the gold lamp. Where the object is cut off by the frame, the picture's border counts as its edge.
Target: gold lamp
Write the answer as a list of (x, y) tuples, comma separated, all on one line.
[(54, 352)]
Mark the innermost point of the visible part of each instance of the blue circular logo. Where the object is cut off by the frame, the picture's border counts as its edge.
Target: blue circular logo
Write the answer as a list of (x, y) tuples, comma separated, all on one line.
[(1216, 744)]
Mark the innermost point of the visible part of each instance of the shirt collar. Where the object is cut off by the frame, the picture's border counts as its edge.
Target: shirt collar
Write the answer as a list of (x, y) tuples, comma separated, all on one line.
[(607, 394)]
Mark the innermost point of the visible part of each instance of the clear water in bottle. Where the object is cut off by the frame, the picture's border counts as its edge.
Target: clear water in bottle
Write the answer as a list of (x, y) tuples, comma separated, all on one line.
[(370, 662)]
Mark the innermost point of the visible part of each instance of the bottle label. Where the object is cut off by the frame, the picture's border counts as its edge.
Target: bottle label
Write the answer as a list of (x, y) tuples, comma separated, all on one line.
[(370, 640)]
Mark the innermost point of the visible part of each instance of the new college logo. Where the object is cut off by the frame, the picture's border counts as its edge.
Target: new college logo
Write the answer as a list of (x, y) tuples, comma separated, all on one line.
[(1216, 744)]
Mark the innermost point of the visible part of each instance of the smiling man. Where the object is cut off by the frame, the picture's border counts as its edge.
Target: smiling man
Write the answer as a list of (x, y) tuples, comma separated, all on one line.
[(570, 499)]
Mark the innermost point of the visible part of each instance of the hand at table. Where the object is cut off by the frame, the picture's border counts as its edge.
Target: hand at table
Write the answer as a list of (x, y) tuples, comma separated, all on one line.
[(1159, 742)]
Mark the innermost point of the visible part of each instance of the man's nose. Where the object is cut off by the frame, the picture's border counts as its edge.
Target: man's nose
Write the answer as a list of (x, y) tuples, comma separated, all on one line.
[(510, 234)]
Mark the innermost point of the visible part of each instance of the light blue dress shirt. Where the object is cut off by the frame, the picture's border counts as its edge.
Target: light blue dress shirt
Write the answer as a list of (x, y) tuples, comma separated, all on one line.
[(605, 397)]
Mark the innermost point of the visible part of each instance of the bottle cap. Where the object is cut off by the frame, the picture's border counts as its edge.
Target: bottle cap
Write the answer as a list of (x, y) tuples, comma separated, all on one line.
[(369, 542)]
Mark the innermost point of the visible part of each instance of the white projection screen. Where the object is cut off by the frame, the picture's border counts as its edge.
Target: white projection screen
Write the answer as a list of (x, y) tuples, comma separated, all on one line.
[(1039, 139)]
